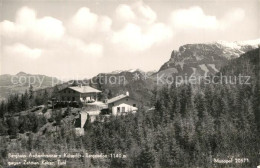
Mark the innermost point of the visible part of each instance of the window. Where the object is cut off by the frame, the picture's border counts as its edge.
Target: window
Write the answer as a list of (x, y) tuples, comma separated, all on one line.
[(134, 105), (126, 99), (62, 98), (68, 98), (64, 91), (73, 98), (69, 91), (123, 109), (118, 109)]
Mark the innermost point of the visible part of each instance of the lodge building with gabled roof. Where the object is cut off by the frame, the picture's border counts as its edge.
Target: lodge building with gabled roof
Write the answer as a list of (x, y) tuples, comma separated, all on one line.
[(79, 93)]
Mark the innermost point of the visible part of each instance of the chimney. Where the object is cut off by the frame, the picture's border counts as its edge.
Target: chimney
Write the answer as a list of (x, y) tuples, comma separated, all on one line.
[(80, 85), (127, 93)]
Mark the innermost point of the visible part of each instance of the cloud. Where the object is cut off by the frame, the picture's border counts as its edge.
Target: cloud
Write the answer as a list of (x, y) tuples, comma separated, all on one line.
[(84, 22), (94, 50), (91, 49), (125, 12), (27, 30), (133, 38), (21, 50), (28, 26), (50, 28), (145, 12), (194, 17), (140, 30), (137, 12), (104, 23), (26, 16)]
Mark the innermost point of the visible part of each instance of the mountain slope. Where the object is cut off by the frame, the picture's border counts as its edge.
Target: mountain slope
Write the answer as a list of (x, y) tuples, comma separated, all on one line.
[(11, 84), (204, 59), (137, 82)]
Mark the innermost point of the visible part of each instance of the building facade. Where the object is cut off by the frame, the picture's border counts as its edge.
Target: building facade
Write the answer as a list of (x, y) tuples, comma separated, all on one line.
[(122, 104), (79, 93)]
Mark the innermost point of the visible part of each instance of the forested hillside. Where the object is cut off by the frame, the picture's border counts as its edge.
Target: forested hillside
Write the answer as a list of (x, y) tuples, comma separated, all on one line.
[(191, 126)]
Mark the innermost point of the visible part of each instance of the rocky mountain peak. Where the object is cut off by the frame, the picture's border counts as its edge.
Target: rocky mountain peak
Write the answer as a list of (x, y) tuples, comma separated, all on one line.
[(174, 53), (205, 58)]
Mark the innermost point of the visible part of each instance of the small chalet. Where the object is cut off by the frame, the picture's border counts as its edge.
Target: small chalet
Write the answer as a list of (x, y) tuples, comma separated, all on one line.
[(122, 104), (79, 93)]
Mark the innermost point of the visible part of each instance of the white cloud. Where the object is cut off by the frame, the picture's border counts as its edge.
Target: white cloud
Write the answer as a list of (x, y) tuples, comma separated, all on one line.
[(9, 29), (145, 12), (104, 23), (137, 12), (159, 32), (125, 12), (30, 30), (26, 16), (27, 26), (50, 28), (84, 22), (133, 38), (194, 17), (94, 50), (21, 50), (140, 30)]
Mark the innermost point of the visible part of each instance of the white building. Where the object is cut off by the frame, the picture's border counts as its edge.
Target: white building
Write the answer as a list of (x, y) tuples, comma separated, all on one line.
[(122, 104)]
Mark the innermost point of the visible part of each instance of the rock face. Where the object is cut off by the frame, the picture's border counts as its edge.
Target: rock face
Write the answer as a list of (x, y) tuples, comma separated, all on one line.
[(204, 59)]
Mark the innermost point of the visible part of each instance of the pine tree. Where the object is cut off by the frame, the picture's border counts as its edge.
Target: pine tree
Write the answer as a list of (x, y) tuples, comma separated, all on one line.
[(12, 127), (2, 109), (25, 101), (55, 92), (45, 97), (199, 105), (109, 95), (3, 128), (31, 92), (145, 159)]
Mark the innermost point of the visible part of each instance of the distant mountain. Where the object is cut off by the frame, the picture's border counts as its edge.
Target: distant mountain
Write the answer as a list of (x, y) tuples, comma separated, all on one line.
[(10, 84), (133, 71), (204, 59), (196, 59), (135, 81)]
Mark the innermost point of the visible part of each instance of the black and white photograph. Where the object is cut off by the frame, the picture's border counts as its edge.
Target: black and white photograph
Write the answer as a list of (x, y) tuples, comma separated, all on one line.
[(129, 84)]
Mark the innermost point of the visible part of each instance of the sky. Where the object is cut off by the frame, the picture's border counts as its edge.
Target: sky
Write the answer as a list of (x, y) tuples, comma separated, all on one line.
[(81, 38)]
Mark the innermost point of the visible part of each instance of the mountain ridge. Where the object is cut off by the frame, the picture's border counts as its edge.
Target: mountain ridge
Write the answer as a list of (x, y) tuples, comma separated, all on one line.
[(204, 58), (190, 59), (18, 83)]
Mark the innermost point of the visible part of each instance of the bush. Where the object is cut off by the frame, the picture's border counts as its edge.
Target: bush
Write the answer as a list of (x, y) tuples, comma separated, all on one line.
[(44, 110), (50, 120)]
